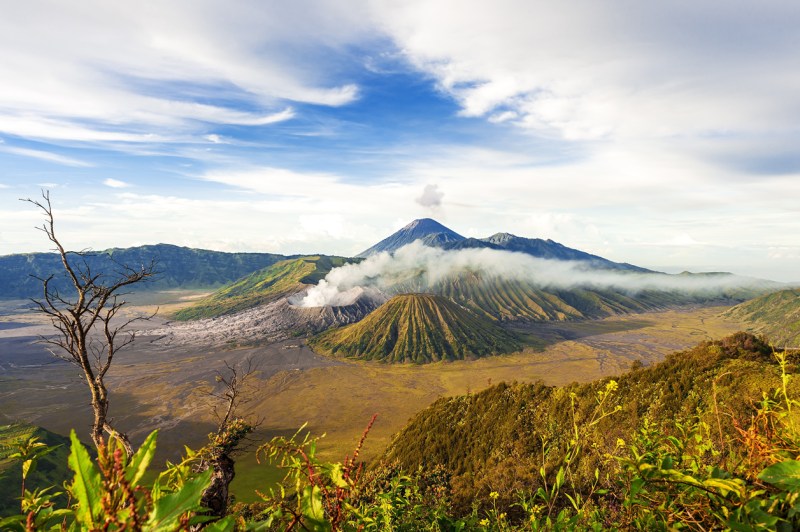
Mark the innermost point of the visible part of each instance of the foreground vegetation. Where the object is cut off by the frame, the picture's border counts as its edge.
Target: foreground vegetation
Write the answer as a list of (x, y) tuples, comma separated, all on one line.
[(706, 440)]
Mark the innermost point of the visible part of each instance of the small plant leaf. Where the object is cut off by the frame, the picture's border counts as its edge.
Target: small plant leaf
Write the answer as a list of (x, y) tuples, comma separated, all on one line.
[(140, 461), (313, 510), (168, 510), (86, 486), (226, 524), (785, 475)]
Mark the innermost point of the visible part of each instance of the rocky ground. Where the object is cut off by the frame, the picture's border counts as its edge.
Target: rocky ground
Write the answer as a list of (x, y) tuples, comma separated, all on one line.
[(276, 321)]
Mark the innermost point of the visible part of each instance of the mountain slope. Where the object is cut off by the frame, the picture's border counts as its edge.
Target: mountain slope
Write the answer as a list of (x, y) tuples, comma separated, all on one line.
[(498, 439), (776, 315), (430, 231), (178, 267), (281, 279), (515, 299), (417, 328)]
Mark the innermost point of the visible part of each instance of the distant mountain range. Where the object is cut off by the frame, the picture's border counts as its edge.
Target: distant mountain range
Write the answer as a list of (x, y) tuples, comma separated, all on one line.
[(432, 233), (456, 317), (182, 267), (178, 267)]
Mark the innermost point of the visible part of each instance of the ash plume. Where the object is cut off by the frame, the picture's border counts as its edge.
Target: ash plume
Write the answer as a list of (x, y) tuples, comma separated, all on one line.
[(431, 197), (422, 266)]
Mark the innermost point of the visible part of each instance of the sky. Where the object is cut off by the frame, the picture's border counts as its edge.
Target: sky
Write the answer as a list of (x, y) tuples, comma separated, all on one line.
[(663, 134)]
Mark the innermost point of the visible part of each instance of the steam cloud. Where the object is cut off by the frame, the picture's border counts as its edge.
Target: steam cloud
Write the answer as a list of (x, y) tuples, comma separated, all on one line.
[(431, 196), (425, 266)]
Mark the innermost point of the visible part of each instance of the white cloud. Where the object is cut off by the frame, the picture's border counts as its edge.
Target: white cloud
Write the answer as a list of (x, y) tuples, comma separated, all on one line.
[(115, 183), (44, 156), (146, 73), (588, 70)]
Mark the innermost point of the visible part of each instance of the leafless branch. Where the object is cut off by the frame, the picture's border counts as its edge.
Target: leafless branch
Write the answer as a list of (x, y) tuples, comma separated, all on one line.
[(94, 305)]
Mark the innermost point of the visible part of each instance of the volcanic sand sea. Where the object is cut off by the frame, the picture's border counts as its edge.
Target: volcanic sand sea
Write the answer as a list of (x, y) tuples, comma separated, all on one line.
[(166, 387)]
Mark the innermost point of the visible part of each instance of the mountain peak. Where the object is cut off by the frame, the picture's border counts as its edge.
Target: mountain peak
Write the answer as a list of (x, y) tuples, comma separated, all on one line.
[(422, 228), (500, 238)]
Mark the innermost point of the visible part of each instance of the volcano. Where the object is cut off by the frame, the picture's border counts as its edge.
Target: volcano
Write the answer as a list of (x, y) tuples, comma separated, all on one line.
[(417, 328)]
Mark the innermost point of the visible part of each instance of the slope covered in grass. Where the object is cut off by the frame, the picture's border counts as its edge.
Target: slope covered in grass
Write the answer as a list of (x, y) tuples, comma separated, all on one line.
[(498, 439), (281, 279), (417, 328), (776, 315)]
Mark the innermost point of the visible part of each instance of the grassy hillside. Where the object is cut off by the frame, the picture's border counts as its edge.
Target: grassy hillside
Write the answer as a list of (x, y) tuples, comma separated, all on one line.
[(497, 439), (268, 284), (417, 328), (50, 469), (776, 315)]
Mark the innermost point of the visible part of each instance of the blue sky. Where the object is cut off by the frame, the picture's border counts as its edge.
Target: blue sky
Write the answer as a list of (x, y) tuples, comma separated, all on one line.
[(663, 134)]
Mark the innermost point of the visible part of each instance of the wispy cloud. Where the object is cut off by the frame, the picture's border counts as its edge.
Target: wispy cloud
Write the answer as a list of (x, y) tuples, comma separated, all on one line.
[(44, 156), (582, 70), (123, 73)]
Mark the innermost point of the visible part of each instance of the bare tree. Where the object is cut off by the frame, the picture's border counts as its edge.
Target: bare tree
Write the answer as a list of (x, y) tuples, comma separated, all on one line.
[(231, 393), (91, 330)]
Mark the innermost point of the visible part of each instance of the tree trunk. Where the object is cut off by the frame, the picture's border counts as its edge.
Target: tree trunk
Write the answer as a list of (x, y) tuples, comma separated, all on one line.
[(215, 497)]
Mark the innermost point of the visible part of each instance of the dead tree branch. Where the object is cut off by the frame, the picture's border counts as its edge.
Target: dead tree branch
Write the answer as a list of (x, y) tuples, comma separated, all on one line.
[(90, 328)]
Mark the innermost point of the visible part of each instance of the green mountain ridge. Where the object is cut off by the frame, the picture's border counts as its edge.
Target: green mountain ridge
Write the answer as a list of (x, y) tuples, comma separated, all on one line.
[(497, 439), (418, 328), (775, 315), (278, 280)]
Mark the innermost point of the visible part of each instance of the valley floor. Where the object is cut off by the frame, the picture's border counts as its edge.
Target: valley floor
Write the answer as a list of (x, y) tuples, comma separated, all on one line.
[(154, 386)]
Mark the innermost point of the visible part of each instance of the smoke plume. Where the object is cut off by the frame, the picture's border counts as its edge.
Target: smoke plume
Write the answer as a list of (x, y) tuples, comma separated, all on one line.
[(431, 197), (425, 266)]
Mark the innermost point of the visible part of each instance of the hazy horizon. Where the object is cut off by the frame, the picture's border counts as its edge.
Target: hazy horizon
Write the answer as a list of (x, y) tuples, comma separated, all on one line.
[(663, 135)]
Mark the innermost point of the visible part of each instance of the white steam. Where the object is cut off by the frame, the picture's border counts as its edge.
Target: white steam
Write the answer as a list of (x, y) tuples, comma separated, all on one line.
[(431, 197), (424, 266)]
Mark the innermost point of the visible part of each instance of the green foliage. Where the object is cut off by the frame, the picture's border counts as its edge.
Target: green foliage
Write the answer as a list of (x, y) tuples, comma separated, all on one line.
[(278, 280), (417, 328), (501, 438), (108, 494), (46, 459)]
